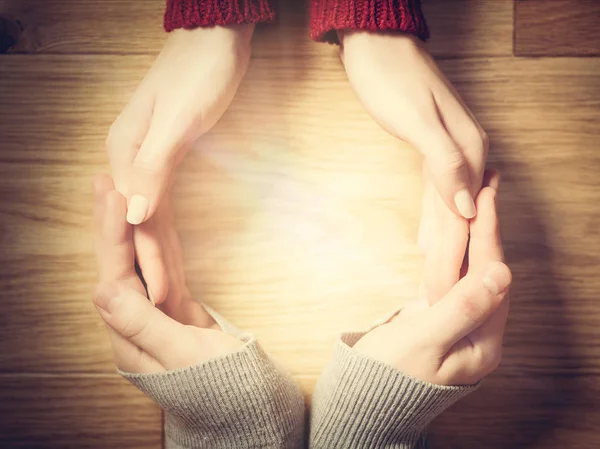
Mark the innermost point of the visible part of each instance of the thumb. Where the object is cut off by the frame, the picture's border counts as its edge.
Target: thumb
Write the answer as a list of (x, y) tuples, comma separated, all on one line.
[(449, 169), (470, 303), (151, 171), (131, 316)]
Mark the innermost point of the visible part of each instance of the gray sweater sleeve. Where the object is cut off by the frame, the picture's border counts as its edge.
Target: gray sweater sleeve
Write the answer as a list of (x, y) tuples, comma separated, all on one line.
[(361, 403), (240, 400)]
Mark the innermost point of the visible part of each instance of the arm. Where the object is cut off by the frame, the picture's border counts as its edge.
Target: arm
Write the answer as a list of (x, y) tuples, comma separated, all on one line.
[(218, 387), (202, 13), (183, 95), (362, 403), (239, 399), (402, 88), (383, 387), (329, 16)]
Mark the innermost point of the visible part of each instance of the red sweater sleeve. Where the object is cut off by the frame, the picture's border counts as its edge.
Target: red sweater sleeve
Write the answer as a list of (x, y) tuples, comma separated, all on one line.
[(202, 13), (327, 16)]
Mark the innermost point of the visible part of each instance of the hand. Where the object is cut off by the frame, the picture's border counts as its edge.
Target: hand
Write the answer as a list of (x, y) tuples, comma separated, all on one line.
[(402, 88), (183, 95), (457, 340), (144, 338), (187, 90)]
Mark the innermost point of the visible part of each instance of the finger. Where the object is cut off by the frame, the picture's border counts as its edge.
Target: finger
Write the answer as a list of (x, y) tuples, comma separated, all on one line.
[(486, 247), (117, 261), (485, 243), (152, 169), (444, 259), (101, 185), (491, 178), (471, 302), (127, 134), (150, 258), (464, 130), (128, 357), (448, 167), (131, 316)]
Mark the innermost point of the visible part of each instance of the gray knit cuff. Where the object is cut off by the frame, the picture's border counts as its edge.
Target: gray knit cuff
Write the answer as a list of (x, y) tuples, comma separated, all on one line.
[(239, 400), (362, 403)]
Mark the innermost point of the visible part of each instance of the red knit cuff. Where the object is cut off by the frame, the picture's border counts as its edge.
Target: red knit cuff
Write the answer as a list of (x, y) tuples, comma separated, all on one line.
[(204, 13), (328, 16)]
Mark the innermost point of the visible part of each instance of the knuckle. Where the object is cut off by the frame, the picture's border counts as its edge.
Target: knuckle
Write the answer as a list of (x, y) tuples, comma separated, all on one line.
[(477, 140), (487, 361), (452, 161), (455, 161), (472, 308)]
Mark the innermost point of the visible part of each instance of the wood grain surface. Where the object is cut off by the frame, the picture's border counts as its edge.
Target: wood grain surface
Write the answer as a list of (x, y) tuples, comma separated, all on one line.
[(557, 28), (298, 216), (74, 411)]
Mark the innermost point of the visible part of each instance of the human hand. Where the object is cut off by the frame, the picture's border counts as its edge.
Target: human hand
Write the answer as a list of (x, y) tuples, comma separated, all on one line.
[(457, 340), (144, 338), (400, 85), (186, 91)]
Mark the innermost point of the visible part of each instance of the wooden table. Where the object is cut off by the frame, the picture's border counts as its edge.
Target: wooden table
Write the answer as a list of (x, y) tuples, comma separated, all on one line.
[(298, 214)]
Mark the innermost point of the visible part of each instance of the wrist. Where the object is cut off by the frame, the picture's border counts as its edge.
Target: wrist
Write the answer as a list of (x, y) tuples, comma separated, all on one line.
[(238, 37), (347, 36)]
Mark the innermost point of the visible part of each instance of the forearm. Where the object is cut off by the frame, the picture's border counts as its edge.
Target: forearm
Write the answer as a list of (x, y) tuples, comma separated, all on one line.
[(203, 13), (240, 400), (329, 16), (365, 404)]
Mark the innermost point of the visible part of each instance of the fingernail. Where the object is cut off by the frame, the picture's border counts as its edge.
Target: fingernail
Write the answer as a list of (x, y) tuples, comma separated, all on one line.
[(137, 209), (464, 203), (497, 279), (105, 297)]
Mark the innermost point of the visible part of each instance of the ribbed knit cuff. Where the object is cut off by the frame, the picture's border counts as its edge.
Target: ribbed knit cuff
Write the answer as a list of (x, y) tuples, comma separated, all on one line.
[(202, 13), (240, 400), (328, 16), (362, 403)]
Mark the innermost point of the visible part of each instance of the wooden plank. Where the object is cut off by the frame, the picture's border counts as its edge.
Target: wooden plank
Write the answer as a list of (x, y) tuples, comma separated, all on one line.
[(293, 225), (89, 412), (299, 215), (466, 28), (557, 28), (538, 412), (46, 207), (459, 27)]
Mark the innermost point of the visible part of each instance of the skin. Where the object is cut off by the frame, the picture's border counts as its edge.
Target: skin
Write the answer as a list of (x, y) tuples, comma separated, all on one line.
[(144, 338), (183, 95), (458, 339), (402, 88), (193, 81)]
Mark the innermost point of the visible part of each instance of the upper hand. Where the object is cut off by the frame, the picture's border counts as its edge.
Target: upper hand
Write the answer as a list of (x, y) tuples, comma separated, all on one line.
[(402, 88), (457, 340), (185, 92), (145, 338)]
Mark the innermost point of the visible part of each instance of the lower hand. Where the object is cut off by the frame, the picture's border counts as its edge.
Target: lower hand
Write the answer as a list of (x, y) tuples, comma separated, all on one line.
[(457, 340), (144, 338)]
